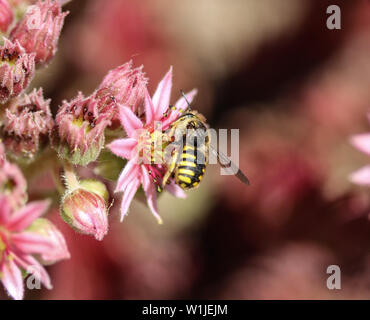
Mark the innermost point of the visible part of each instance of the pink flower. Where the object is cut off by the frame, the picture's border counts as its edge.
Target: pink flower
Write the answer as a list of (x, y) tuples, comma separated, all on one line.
[(6, 15), (19, 245), (126, 84), (27, 124), (80, 129), (39, 30), (136, 172), (17, 69), (362, 143)]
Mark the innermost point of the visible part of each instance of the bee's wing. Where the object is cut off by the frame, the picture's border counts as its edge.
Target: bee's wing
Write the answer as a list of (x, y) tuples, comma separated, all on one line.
[(226, 163)]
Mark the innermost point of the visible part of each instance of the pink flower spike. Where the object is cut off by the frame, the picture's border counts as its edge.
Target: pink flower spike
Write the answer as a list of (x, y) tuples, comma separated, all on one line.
[(161, 97), (361, 176), (361, 142)]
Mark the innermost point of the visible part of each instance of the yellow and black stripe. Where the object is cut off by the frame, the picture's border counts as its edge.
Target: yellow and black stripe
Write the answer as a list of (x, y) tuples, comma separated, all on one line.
[(189, 172)]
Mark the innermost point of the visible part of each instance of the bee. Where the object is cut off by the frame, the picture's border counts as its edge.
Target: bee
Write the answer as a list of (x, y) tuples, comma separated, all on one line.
[(188, 162)]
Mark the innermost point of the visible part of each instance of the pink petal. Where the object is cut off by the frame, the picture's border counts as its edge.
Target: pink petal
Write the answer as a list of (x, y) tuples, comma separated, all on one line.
[(33, 243), (149, 108), (151, 194), (176, 191), (361, 176), (30, 264), (128, 195), (25, 216), (361, 142), (161, 97), (130, 172), (130, 122), (123, 147), (12, 279), (4, 210), (181, 105)]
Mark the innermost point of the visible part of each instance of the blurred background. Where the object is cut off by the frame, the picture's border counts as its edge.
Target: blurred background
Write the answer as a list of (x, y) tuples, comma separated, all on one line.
[(296, 90)]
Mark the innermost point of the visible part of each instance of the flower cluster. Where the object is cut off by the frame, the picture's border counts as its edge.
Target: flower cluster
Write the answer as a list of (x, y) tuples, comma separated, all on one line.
[(119, 117)]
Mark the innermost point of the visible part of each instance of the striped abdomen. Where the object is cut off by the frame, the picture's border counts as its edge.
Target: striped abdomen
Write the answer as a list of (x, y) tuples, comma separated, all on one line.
[(191, 167)]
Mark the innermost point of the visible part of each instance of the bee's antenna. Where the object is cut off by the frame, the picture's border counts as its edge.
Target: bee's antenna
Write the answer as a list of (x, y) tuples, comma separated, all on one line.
[(186, 99)]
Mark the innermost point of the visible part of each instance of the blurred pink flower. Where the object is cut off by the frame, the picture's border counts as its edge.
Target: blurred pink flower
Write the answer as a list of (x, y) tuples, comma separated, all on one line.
[(46, 228), (6, 15), (135, 172), (39, 30), (18, 244), (362, 143)]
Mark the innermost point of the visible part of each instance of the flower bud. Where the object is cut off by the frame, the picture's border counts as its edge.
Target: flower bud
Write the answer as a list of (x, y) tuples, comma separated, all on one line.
[(46, 228), (85, 209), (27, 125), (125, 86), (16, 70), (39, 30), (80, 130), (13, 184), (6, 15)]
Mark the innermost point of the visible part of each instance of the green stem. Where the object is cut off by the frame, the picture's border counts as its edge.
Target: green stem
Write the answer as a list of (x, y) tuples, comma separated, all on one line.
[(70, 177)]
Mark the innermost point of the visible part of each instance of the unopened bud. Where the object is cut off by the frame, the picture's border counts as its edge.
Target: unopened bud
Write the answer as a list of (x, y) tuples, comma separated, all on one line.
[(85, 209)]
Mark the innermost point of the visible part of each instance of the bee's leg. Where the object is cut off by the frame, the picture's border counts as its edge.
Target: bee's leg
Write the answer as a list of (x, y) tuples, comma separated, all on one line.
[(171, 168)]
